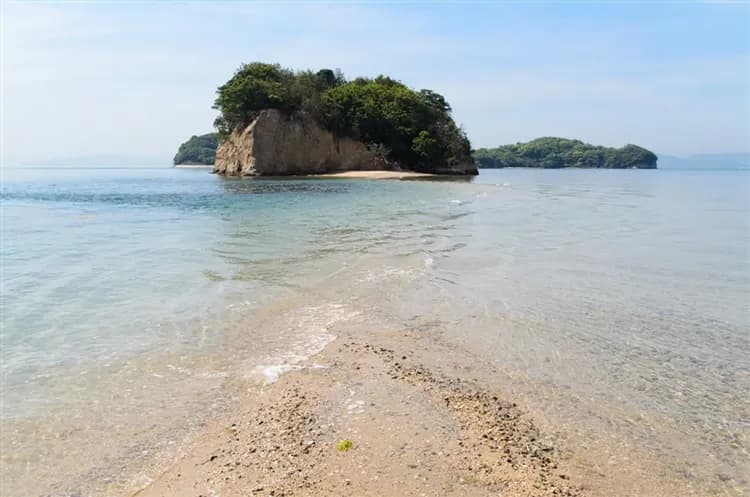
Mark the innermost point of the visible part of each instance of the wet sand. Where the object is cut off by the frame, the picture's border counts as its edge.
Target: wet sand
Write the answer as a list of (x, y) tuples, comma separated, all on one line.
[(423, 419), (414, 430)]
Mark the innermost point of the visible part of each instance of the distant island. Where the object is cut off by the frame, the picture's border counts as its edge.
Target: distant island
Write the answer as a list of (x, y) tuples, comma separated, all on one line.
[(198, 150), (275, 121), (557, 153)]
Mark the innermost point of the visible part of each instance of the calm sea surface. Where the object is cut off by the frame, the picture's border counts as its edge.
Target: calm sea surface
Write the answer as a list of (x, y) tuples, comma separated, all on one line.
[(134, 302)]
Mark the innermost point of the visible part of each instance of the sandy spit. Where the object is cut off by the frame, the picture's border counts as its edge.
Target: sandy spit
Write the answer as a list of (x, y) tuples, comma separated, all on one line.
[(415, 430)]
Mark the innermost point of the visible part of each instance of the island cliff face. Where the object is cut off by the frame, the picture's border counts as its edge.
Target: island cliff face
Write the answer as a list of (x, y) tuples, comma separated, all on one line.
[(275, 144)]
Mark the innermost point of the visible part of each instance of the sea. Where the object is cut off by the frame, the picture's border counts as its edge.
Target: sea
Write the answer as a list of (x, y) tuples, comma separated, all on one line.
[(137, 305)]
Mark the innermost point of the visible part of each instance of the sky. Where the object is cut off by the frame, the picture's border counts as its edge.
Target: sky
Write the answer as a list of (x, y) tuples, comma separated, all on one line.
[(137, 78)]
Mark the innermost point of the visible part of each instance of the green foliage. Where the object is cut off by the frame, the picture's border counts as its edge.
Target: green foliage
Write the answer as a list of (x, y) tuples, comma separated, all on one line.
[(198, 150), (416, 127), (411, 128), (253, 87), (344, 445), (554, 153)]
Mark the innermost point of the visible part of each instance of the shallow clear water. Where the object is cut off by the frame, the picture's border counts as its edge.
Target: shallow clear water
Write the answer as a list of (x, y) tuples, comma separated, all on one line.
[(615, 301)]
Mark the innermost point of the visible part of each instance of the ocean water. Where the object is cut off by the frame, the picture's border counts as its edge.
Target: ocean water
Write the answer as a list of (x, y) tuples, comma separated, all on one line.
[(138, 304)]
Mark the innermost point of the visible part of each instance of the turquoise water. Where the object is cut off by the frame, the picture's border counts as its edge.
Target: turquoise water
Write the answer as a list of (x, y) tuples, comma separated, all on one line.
[(614, 301)]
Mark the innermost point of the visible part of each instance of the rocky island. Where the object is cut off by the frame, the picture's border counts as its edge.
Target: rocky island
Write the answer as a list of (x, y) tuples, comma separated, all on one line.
[(275, 122), (556, 153)]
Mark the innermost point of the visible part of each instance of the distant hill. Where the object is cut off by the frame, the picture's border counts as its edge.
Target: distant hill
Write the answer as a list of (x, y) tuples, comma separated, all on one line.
[(198, 150), (557, 153), (705, 161)]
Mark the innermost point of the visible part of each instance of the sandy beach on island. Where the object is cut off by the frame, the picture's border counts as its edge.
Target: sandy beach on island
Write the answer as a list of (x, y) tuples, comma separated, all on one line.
[(391, 414), (344, 174), (374, 175)]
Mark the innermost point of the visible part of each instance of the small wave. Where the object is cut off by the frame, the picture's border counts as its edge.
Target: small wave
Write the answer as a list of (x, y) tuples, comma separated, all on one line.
[(390, 273), (274, 367), (273, 373), (315, 321)]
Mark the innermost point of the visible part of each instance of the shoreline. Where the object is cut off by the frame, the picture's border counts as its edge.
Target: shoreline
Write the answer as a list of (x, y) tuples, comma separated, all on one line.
[(413, 430), (354, 174), (422, 418), (374, 175)]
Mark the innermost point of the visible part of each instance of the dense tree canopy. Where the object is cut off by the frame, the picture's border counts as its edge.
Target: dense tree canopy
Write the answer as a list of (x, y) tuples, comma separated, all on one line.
[(409, 127), (554, 153), (198, 150)]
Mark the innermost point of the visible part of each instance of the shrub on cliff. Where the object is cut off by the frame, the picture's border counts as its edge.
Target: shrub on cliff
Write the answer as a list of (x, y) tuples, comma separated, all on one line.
[(259, 86), (553, 153), (412, 128)]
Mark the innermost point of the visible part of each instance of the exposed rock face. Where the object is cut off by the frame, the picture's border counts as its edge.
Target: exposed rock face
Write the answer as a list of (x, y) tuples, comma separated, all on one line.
[(277, 145)]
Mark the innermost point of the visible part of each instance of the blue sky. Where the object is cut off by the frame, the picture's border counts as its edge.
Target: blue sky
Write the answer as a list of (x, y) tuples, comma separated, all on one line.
[(138, 77)]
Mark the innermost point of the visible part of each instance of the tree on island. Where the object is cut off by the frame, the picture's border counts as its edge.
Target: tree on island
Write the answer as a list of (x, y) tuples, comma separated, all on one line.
[(198, 150), (410, 128), (556, 153)]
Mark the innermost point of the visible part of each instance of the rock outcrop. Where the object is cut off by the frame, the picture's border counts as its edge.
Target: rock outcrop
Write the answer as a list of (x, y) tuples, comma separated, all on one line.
[(278, 145)]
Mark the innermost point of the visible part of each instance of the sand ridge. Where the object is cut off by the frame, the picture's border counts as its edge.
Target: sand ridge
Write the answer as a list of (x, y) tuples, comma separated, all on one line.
[(414, 430)]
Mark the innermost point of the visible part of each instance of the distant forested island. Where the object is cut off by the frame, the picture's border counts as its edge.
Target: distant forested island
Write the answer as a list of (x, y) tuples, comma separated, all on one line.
[(557, 153), (198, 150)]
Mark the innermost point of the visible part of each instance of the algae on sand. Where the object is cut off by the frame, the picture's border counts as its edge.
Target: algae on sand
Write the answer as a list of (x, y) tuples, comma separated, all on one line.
[(344, 445)]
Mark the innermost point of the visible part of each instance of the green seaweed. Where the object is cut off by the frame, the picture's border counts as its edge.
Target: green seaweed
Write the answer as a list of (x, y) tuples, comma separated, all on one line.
[(344, 445)]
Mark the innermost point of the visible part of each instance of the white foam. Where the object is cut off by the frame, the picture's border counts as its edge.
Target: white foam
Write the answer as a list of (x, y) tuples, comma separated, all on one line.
[(314, 322), (388, 274), (274, 372), (356, 407), (178, 369)]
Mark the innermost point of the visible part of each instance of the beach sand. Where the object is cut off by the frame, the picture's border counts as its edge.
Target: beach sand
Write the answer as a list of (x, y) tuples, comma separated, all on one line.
[(423, 419), (374, 175), (345, 174), (414, 429)]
